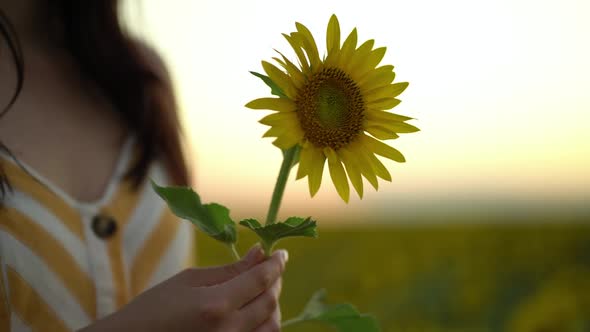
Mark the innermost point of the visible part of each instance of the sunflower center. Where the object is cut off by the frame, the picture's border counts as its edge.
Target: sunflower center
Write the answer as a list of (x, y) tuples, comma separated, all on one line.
[(330, 109), (331, 104)]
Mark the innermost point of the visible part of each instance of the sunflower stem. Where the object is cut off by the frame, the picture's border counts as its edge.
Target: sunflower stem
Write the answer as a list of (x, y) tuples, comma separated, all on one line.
[(234, 252), (277, 195)]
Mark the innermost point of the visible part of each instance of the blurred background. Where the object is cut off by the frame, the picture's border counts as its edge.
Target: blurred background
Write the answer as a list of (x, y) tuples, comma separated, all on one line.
[(486, 227)]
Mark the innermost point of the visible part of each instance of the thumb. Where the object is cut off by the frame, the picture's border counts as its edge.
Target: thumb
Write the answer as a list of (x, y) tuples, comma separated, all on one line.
[(219, 274)]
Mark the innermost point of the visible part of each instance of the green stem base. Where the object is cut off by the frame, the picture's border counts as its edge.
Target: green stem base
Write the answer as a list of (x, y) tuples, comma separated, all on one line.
[(277, 195)]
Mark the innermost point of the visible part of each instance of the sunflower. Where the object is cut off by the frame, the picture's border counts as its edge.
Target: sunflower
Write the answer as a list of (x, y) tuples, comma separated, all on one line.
[(335, 109)]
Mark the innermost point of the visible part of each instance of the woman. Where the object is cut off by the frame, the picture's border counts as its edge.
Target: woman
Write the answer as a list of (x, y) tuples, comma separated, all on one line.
[(84, 242)]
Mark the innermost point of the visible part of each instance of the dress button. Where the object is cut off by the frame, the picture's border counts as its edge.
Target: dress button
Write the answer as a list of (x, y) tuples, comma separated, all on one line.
[(104, 226)]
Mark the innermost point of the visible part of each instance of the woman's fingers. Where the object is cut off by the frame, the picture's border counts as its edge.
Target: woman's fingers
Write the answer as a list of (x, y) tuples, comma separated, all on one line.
[(273, 324), (203, 277), (246, 301), (245, 287), (262, 311), (270, 325)]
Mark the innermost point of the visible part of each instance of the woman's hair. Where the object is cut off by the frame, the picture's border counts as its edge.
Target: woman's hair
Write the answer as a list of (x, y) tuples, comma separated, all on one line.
[(125, 71)]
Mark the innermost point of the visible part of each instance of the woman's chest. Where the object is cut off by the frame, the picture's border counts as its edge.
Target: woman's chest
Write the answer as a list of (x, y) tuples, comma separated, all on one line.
[(83, 262), (63, 127)]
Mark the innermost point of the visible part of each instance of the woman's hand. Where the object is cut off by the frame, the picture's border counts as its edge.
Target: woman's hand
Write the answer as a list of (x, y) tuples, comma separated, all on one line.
[(241, 297)]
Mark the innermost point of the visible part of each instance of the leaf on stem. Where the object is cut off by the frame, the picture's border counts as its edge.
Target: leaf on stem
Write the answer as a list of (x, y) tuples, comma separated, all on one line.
[(272, 233), (213, 219), (344, 317), (274, 88)]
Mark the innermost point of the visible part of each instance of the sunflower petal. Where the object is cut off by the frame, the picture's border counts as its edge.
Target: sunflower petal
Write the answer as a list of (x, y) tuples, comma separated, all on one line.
[(348, 48), (383, 103), (356, 150), (390, 125), (274, 131), (402, 128), (280, 61), (278, 118), (288, 139), (372, 60), (353, 170), (298, 51), (379, 168), (360, 56), (387, 91), (376, 78), (349, 44), (305, 159), (275, 104), (380, 132), (364, 49), (382, 116), (338, 174), (309, 45), (332, 59), (377, 71), (300, 41), (316, 169), (333, 35), (375, 57), (293, 71), (398, 88), (382, 149), (280, 78)]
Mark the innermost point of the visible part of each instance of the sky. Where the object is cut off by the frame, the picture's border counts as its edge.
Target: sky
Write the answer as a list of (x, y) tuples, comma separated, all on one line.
[(498, 88)]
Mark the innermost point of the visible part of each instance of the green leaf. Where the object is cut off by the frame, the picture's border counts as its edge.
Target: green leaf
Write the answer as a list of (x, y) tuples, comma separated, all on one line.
[(344, 317), (272, 233), (213, 219), (274, 89)]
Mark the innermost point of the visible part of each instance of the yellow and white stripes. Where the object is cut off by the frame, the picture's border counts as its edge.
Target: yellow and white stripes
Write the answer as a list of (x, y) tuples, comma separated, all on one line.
[(56, 274)]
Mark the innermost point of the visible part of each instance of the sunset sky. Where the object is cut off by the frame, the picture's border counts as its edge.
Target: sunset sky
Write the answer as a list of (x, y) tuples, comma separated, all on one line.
[(500, 90)]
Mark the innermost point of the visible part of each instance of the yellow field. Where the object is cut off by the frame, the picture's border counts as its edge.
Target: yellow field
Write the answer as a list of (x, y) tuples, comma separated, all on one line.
[(442, 278)]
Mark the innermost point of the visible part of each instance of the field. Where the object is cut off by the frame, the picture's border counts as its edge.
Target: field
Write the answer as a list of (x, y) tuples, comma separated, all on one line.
[(441, 278)]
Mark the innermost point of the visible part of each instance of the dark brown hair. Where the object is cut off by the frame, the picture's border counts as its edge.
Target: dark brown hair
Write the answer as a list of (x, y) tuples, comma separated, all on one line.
[(126, 72)]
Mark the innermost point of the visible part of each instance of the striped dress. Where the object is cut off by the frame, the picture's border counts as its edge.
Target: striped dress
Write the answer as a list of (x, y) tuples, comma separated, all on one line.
[(65, 263)]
